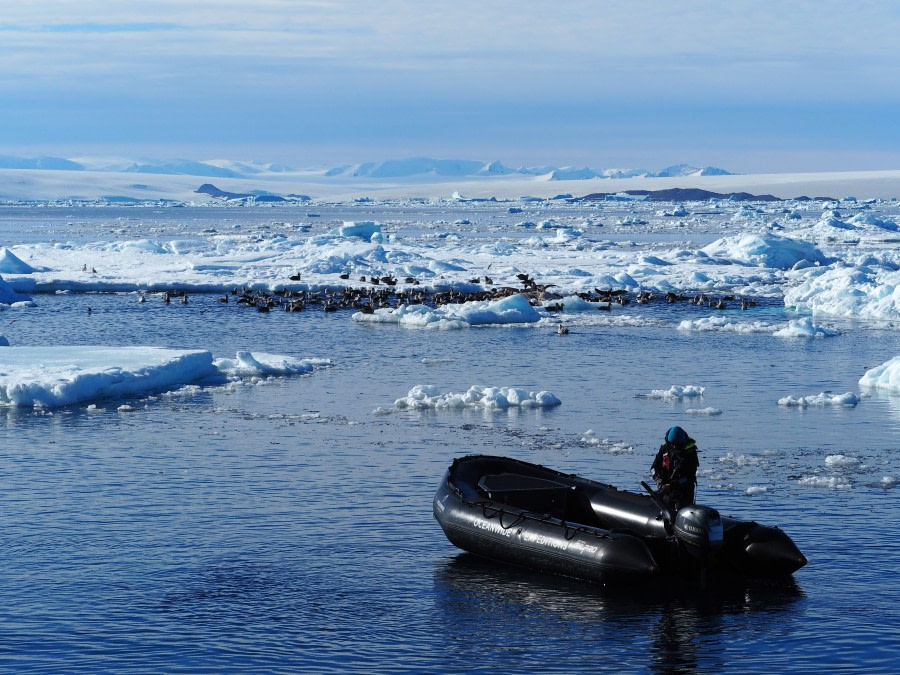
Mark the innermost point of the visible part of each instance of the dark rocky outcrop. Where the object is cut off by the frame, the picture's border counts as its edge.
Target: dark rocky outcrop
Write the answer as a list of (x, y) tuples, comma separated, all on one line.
[(685, 195)]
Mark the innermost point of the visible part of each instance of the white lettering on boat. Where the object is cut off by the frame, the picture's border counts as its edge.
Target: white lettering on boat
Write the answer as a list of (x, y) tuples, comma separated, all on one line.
[(492, 526), (582, 547), (544, 540)]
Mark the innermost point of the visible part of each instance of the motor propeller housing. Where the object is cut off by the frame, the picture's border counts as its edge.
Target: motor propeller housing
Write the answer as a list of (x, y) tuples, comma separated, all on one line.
[(699, 528)]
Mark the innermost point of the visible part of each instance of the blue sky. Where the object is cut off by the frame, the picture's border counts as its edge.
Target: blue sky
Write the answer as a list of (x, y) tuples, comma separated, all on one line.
[(748, 86)]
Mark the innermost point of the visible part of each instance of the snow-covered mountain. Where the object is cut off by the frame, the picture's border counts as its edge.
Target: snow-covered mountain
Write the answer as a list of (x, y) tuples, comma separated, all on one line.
[(414, 167), (688, 170), (52, 163)]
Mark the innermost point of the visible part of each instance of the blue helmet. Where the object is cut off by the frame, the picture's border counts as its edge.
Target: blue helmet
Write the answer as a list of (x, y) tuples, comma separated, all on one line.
[(676, 436)]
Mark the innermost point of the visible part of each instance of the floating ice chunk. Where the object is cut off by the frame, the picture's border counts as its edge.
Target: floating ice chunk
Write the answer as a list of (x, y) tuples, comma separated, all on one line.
[(831, 482), (848, 400), (262, 364), (756, 490), (804, 328), (724, 324), (886, 376), (888, 481), (425, 397), (841, 461), (870, 291), (712, 412), (613, 447), (512, 309), (10, 297), (363, 229), (572, 303), (57, 376), (765, 250), (590, 437), (739, 460), (676, 392)]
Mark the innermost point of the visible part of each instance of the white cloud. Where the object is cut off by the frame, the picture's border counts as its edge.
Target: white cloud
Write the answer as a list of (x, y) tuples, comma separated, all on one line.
[(682, 49), (596, 76)]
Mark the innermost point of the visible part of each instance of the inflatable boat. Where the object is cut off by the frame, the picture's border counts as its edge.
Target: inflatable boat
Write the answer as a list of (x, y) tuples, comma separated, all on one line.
[(526, 514)]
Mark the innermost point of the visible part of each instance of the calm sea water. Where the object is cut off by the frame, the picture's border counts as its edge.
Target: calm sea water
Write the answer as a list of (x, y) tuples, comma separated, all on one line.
[(286, 526)]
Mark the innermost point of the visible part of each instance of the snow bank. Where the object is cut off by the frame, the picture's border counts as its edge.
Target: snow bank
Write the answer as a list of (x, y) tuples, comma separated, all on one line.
[(425, 397)]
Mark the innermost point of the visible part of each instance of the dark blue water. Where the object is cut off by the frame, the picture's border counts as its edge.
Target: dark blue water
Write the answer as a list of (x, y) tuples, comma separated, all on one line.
[(282, 526)]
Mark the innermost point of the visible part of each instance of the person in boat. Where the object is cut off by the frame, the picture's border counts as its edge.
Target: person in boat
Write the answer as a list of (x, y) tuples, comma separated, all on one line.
[(675, 469)]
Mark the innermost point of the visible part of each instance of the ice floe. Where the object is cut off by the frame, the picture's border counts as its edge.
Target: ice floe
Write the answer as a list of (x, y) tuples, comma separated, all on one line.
[(425, 397), (848, 400), (766, 251), (725, 324), (804, 328), (675, 392), (58, 376), (886, 376), (512, 309)]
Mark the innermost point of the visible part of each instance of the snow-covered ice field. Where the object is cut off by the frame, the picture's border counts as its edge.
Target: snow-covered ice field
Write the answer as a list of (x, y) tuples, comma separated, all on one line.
[(186, 457)]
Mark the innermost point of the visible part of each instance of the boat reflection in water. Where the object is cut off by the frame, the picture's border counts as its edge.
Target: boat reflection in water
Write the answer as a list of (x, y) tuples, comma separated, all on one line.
[(531, 619)]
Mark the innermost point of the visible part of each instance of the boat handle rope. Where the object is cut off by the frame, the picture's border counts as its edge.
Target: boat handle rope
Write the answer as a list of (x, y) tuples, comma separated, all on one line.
[(542, 518), (498, 514), (566, 529)]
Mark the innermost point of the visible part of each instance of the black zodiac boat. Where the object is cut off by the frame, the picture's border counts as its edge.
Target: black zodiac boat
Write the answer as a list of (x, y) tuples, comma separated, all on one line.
[(529, 515)]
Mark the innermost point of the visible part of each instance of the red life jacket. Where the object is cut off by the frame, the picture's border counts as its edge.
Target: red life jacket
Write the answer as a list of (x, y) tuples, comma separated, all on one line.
[(667, 463)]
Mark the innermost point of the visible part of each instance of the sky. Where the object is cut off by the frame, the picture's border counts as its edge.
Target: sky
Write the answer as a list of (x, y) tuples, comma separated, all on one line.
[(747, 86)]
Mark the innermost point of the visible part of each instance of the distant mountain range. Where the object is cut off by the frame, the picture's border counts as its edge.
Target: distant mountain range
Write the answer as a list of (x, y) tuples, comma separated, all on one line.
[(423, 166), (416, 167)]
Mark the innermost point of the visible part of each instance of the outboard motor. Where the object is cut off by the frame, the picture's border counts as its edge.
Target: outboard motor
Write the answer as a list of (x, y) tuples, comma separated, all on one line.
[(699, 531)]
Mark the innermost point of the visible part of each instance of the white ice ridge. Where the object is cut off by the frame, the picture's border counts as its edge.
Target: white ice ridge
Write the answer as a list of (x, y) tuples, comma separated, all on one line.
[(58, 376), (512, 309), (848, 400), (425, 397), (676, 392)]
